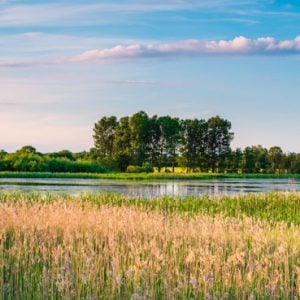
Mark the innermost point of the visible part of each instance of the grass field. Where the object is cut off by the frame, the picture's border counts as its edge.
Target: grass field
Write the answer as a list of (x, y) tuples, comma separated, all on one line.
[(108, 246), (145, 176)]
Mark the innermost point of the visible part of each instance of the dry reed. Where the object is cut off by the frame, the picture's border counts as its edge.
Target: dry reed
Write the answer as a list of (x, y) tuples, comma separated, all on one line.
[(64, 250)]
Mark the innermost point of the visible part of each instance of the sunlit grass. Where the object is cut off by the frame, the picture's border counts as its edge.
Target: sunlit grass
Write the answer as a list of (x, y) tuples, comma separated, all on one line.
[(178, 175), (110, 246)]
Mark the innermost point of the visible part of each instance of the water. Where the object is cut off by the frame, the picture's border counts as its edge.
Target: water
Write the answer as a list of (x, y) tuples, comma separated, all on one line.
[(150, 188)]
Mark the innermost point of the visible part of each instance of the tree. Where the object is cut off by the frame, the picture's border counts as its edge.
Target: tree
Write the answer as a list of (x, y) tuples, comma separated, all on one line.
[(248, 162), (219, 139), (169, 140), (234, 161), (261, 161), (3, 160), (26, 149), (276, 159), (63, 154), (123, 144), (27, 159), (289, 160), (140, 137), (193, 136), (154, 136), (104, 136), (295, 167)]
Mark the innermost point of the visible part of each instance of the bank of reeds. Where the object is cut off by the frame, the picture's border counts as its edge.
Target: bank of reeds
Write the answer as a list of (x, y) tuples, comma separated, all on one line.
[(111, 247)]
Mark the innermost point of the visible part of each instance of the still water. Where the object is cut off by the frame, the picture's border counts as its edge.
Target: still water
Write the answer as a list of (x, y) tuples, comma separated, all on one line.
[(150, 188)]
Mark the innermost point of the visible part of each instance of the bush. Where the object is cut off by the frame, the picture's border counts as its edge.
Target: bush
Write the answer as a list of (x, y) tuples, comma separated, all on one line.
[(134, 169), (146, 168), (66, 166), (108, 163)]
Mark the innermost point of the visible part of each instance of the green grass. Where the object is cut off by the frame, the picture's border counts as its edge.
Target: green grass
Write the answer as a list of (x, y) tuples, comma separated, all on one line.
[(272, 207), (147, 176)]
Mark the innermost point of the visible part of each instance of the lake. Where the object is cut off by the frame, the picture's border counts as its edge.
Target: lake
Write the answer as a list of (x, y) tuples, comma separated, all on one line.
[(150, 188)]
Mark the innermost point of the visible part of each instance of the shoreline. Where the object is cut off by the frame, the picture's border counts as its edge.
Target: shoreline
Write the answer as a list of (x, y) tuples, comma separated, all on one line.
[(146, 176)]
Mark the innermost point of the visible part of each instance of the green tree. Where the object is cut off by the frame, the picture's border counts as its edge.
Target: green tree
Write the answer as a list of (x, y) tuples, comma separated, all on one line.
[(193, 136), (169, 140), (234, 161), (295, 165), (219, 138), (123, 144), (276, 159), (104, 136), (154, 135), (261, 161), (27, 159), (63, 154), (3, 160), (140, 137), (248, 162)]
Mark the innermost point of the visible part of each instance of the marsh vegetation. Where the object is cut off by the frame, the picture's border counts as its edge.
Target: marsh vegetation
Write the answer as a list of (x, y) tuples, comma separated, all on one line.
[(109, 246)]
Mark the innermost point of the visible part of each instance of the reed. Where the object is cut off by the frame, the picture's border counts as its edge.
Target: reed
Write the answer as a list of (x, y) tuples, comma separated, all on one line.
[(272, 207), (111, 247)]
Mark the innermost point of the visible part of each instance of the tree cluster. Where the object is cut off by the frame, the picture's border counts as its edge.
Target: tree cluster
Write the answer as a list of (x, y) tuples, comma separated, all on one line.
[(163, 141), (196, 145), (257, 159), (140, 143), (27, 159)]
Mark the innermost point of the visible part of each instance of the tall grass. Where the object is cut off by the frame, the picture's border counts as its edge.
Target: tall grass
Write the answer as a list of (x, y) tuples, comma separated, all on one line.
[(113, 247), (272, 207)]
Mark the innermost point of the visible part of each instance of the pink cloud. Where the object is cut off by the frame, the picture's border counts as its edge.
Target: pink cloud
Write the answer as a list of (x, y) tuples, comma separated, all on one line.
[(237, 46)]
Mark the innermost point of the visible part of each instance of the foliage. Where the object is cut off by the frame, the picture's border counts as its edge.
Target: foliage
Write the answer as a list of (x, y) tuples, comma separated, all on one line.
[(194, 144), (164, 143), (27, 159), (159, 141), (104, 135), (218, 142)]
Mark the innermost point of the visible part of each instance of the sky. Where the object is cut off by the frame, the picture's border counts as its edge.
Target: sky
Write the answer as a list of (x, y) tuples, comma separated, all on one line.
[(66, 64)]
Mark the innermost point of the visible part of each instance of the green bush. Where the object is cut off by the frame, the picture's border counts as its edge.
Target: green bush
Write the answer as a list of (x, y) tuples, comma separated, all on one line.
[(147, 168)]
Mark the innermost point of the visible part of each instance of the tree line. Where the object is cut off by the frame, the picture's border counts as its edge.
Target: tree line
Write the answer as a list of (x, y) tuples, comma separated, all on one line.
[(140, 143), (193, 144), (28, 159)]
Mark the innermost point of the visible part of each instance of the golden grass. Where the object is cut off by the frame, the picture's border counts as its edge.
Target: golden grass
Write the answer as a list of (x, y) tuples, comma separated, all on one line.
[(66, 250)]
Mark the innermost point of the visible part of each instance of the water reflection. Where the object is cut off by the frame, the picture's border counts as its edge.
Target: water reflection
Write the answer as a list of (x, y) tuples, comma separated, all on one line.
[(151, 189)]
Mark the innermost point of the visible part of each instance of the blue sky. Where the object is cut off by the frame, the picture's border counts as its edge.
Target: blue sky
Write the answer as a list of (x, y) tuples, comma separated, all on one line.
[(65, 64)]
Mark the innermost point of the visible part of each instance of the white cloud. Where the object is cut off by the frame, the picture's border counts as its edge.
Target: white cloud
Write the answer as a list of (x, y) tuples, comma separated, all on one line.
[(237, 46)]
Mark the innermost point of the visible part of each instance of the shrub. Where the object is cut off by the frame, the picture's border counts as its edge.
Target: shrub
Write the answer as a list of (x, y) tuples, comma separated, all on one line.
[(147, 168), (134, 169)]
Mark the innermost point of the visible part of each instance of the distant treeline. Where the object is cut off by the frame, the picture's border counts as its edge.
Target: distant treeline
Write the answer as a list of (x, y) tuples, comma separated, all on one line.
[(27, 159), (140, 143), (196, 145)]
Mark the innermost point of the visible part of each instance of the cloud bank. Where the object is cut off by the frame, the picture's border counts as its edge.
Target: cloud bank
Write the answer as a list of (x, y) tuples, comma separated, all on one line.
[(237, 46)]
